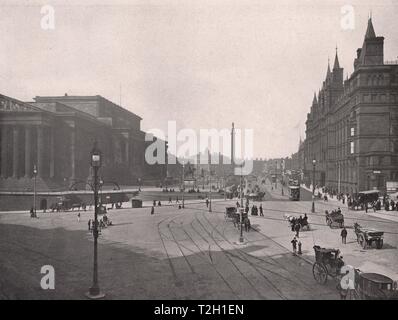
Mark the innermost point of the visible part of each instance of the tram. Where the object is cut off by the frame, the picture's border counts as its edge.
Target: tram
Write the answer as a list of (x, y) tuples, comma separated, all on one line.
[(294, 193)]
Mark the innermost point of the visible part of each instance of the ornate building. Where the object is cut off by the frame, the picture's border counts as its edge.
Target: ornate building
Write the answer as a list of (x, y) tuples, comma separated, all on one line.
[(56, 134), (352, 127)]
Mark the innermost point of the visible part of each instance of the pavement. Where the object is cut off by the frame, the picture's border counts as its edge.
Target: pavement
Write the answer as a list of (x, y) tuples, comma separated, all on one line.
[(184, 254), (388, 215), (383, 261)]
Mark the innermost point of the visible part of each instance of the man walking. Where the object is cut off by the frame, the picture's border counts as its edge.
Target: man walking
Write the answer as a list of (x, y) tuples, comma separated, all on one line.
[(297, 229), (261, 210), (78, 217), (152, 210), (89, 224), (294, 244), (344, 235)]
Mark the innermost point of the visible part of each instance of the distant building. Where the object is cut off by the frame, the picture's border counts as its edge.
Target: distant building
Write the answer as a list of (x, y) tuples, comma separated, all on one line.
[(56, 135)]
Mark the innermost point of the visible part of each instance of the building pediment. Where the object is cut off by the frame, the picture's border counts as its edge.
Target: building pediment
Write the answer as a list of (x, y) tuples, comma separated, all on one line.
[(13, 105)]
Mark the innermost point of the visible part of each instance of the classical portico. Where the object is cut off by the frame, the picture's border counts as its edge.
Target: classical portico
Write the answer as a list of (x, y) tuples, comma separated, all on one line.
[(24, 140), (56, 134)]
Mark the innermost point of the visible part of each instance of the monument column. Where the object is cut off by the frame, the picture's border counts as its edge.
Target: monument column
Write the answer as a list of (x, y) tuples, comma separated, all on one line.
[(4, 144), (28, 141), (40, 151), (15, 152)]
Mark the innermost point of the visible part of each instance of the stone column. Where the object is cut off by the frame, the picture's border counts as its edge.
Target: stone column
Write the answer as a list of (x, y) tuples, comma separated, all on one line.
[(127, 151), (40, 151), (4, 154), (28, 141), (72, 154), (52, 152), (15, 152)]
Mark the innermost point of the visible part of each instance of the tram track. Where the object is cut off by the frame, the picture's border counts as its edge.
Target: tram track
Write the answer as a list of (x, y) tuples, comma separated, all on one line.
[(274, 264), (226, 253)]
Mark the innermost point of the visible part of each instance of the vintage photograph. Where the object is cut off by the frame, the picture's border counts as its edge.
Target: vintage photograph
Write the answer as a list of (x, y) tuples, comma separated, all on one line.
[(198, 150)]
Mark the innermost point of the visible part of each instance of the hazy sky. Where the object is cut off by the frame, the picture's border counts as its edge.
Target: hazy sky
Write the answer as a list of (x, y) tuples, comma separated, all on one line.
[(204, 64)]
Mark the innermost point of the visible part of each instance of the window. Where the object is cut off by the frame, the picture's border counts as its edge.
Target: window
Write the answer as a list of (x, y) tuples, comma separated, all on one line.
[(352, 149), (352, 131)]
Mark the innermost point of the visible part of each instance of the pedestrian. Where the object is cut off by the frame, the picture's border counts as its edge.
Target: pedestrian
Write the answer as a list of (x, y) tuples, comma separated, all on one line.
[(154, 203), (297, 229), (294, 244), (159, 204), (207, 202), (32, 212), (261, 210), (299, 248), (78, 217), (237, 204), (89, 224), (344, 235), (170, 201), (153, 210), (247, 224)]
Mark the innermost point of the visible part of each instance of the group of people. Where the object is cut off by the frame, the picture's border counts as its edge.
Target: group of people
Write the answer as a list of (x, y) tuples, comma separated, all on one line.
[(388, 204), (256, 210), (102, 223), (33, 213)]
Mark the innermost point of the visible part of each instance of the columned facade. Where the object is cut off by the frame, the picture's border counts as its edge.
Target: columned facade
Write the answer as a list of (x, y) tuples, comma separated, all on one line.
[(56, 134)]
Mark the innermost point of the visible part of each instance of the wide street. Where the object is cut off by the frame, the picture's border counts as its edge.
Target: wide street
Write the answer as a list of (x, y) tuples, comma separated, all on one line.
[(183, 254)]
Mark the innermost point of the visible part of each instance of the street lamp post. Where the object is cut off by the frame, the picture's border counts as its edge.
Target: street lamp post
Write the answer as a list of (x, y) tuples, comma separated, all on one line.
[(34, 189), (183, 184), (241, 240), (313, 186), (225, 188), (96, 159), (210, 191)]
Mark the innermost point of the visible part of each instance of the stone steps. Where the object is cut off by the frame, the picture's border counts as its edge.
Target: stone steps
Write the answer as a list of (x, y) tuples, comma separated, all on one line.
[(27, 184)]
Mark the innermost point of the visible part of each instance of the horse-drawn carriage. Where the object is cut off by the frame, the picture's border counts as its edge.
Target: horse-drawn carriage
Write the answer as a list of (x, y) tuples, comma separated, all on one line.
[(372, 286), (363, 198), (367, 236), (302, 221), (67, 202), (255, 196), (364, 286), (333, 218), (328, 262), (230, 213)]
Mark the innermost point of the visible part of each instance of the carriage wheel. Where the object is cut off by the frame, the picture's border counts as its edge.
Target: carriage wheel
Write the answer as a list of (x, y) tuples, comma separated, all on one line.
[(379, 244), (320, 273), (353, 295)]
